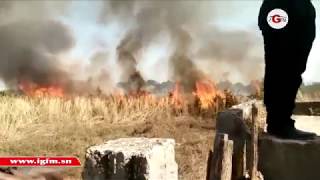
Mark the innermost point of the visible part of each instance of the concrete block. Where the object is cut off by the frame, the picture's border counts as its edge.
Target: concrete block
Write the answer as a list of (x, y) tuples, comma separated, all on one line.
[(133, 159), (289, 159)]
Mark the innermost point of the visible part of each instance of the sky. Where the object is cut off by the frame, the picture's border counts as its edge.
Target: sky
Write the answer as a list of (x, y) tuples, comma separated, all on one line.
[(233, 15)]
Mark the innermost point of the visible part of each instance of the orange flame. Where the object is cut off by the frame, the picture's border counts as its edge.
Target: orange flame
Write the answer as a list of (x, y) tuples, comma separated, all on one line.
[(32, 89), (207, 94), (175, 95)]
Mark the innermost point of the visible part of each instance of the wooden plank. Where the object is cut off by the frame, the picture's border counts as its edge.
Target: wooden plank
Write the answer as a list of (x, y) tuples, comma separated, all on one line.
[(253, 164), (220, 167), (209, 166), (239, 161)]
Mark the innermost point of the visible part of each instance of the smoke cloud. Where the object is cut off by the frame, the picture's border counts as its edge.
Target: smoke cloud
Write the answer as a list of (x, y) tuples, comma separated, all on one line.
[(30, 43), (199, 48)]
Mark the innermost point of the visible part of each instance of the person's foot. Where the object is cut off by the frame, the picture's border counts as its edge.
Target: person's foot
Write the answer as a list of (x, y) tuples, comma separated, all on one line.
[(292, 133)]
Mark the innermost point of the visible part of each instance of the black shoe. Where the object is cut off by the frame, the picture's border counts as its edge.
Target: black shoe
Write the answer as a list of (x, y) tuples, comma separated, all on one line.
[(291, 133)]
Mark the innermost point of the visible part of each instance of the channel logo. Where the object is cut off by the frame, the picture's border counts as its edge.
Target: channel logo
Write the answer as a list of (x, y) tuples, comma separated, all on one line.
[(277, 18)]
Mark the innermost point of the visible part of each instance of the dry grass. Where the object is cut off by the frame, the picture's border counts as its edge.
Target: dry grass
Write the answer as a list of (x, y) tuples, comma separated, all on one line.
[(55, 126)]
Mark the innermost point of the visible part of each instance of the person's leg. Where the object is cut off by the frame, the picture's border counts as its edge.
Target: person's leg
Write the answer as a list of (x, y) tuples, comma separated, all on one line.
[(285, 62), (277, 58), (298, 56), (281, 85)]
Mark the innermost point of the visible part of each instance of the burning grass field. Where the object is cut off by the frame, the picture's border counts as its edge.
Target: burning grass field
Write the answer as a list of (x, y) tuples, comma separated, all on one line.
[(67, 126)]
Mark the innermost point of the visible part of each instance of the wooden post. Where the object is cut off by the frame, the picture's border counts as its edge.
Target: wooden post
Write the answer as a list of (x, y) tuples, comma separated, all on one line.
[(220, 167), (253, 164), (239, 162)]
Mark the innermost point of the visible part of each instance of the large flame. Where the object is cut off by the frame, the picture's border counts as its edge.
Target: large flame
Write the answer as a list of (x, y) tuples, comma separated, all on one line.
[(207, 94), (31, 89)]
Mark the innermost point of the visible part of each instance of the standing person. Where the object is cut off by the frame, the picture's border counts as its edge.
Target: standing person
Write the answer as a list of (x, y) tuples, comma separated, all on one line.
[(288, 29)]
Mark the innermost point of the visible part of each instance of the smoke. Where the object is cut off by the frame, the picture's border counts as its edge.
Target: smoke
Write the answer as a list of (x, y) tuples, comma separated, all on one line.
[(16, 10), (184, 70), (126, 51), (199, 48), (29, 50), (230, 55), (98, 73), (33, 44)]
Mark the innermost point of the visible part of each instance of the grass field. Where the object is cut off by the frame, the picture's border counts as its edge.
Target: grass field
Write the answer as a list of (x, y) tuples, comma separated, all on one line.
[(67, 126)]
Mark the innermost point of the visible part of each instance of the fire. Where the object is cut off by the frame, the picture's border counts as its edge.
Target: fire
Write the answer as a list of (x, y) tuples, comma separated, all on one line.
[(205, 98), (55, 91), (175, 95), (207, 94), (32, 89)]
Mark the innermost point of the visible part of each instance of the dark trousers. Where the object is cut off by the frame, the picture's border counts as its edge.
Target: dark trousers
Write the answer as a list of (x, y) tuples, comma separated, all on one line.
[(286, 54)]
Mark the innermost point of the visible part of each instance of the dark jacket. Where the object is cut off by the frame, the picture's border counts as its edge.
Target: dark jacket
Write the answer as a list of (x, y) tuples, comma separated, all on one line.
[(301, 16)]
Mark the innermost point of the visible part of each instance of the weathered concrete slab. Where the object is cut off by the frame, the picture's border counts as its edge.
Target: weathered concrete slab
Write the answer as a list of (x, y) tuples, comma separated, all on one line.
[(289, 159), (246, 114), (132, 158)]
